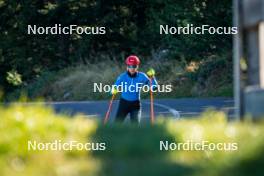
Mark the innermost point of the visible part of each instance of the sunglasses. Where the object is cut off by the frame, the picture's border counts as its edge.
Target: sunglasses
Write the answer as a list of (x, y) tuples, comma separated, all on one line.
[(132, 66)]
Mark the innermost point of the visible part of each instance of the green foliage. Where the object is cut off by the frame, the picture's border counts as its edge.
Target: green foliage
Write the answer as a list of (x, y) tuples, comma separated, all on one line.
[(212, 78), (135, 150), (1, 95), (14, 78), (73, 83), (131, 150), (20, 124), (132, 27)]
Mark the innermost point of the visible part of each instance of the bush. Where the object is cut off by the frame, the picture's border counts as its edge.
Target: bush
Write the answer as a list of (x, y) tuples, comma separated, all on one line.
[(20, 124), (131, 150), (76, 83), (213, 77)]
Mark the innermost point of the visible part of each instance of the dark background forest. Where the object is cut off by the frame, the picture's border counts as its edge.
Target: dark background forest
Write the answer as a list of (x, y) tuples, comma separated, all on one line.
[(132, 27)]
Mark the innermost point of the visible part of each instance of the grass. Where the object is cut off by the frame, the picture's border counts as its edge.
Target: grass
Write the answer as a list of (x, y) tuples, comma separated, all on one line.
[(131, 150), (76, 83)]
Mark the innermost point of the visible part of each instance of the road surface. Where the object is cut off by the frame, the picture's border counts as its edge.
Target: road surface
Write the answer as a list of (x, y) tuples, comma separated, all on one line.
[(169, 108)]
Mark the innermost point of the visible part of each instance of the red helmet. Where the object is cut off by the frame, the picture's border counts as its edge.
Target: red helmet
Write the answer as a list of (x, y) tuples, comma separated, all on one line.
[(132, 60)]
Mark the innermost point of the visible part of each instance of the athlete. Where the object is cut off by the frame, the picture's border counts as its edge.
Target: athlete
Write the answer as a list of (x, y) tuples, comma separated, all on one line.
[(131, 82)]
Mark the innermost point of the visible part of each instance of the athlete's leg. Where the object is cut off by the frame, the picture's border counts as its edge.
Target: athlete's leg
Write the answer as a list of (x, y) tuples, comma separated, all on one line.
[(135, 112), (122, 111), (135, 116)]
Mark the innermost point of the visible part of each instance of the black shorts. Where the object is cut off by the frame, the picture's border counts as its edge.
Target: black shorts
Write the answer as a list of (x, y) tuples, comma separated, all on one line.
[(128, 107)]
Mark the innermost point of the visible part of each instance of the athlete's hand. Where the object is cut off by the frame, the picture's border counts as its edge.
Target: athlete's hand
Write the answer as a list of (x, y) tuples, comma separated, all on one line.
[(151, 72), (114, 91)]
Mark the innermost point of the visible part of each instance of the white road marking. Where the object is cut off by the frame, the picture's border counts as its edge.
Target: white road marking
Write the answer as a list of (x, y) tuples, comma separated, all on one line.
[(89, 115), (174, 112)]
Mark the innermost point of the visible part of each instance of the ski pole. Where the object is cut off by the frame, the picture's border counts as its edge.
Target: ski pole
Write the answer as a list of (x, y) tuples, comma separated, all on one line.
[(109, 109), (151, 103)]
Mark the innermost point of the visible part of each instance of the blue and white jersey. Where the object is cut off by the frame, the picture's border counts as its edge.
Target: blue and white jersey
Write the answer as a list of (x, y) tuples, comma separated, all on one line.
[(131, 85)]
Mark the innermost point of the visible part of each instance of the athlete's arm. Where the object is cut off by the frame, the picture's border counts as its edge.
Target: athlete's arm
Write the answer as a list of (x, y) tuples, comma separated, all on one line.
[(146, 81), (116, 84)]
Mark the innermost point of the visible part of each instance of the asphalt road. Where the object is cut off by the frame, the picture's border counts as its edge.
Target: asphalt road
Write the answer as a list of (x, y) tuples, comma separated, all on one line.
[(169, 108)]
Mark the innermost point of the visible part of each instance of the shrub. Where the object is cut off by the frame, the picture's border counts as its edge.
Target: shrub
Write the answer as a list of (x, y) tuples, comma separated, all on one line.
[(131, 150)]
